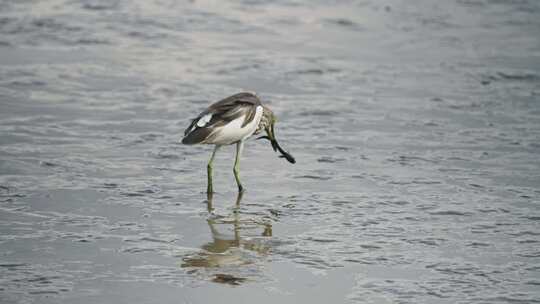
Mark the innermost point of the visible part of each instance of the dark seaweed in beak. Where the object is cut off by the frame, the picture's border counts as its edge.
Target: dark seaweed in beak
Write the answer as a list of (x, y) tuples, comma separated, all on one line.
[(276, 146), (284, 154)]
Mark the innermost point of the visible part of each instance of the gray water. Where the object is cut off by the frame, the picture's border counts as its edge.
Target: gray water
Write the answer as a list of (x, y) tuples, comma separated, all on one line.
[(415, 125)]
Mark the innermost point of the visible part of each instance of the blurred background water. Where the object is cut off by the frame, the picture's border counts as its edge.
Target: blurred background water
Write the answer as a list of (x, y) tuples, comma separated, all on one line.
[(415, 125)]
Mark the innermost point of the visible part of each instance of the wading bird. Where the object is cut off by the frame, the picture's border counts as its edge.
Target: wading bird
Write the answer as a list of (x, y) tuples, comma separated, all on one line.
[(232, 121)]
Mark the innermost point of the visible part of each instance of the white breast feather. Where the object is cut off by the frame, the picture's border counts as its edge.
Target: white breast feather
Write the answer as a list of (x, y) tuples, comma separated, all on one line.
[(233, 131)]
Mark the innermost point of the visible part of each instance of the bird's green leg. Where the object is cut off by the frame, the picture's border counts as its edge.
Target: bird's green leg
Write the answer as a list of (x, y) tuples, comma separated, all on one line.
[(236, 169), (209, 189)]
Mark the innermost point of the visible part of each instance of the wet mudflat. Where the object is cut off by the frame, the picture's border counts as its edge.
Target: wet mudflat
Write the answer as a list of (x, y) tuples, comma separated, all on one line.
[(416, 129)]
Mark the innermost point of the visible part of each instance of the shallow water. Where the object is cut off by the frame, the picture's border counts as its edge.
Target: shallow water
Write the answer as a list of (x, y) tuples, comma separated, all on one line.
[(415, 126)]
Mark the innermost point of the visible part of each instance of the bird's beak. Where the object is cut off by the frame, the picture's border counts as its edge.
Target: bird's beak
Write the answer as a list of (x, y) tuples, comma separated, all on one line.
[(275, 145), (272, 137)]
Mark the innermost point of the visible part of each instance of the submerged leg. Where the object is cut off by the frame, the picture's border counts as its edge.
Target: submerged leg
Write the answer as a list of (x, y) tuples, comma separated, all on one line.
[(239, 199), (236, 169), (209, 203), (209, 189)]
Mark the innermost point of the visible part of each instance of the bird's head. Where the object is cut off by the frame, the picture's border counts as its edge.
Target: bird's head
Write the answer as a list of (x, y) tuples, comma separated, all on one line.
[(268, 120)]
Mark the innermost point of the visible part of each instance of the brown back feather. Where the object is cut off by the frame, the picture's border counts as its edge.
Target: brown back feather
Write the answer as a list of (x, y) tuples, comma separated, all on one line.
[(223, 112)]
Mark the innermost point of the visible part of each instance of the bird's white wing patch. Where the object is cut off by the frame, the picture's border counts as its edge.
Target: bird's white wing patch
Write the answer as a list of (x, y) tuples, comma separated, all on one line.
[(204, 120)]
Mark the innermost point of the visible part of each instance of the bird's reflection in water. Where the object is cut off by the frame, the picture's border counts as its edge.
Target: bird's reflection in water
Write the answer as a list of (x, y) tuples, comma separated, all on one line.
[(235, 242)]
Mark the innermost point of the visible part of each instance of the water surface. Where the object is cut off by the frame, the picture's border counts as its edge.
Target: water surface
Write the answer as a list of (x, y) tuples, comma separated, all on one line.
[(415, 126)]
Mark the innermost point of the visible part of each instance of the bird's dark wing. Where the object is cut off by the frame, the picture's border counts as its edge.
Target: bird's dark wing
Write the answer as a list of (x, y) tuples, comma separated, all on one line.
[(219, 114), (233, 101)]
